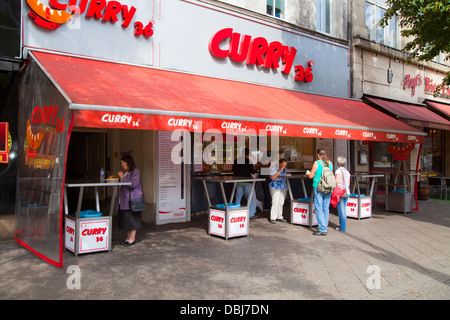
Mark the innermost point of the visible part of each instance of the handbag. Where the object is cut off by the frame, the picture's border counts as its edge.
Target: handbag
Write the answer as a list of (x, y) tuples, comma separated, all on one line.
[(138, 204)]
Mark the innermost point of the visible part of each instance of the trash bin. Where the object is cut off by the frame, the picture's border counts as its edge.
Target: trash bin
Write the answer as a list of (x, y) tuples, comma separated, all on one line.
[(423, 190)]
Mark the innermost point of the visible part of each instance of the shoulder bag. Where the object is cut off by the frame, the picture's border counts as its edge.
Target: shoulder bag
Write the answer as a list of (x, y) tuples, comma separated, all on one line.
[(138, 204)]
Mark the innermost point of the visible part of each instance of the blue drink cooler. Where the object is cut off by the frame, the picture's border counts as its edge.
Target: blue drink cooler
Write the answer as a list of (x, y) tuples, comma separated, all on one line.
[(90, 214), (230, 205)]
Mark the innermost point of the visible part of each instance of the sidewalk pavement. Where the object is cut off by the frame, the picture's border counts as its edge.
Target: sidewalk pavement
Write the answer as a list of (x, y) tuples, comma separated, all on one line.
[(391, 256)]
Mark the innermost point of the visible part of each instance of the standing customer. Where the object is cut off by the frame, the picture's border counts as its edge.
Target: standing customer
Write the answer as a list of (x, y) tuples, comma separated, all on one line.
[(343, 182), (321, 200), (278, 189), (129, 220), (243, 167)]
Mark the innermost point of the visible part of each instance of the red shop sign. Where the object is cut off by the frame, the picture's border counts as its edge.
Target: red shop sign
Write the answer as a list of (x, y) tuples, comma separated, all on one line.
[(52, 16), (258, 51)]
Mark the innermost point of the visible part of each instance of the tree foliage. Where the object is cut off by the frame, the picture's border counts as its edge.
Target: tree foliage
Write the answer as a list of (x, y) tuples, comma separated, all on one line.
[(427, 24)]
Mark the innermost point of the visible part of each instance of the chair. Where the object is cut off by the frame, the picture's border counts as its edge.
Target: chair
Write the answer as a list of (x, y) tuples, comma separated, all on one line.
[(447, 187), (436, 184)]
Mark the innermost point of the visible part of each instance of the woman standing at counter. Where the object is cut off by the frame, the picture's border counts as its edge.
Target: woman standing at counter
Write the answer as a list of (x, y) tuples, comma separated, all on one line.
[(129, 220), (278, 189), (321, 200)]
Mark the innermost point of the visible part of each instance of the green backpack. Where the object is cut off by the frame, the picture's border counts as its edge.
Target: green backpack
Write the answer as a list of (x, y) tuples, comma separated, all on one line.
[(327, 181)]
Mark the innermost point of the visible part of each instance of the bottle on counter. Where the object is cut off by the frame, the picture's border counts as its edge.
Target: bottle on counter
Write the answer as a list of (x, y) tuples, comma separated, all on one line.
[(102, 175)]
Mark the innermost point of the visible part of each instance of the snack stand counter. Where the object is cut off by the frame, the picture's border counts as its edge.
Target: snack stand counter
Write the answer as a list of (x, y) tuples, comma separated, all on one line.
[(401, 196), (227, 220), (359, 205), (89, 231), (302, 209)]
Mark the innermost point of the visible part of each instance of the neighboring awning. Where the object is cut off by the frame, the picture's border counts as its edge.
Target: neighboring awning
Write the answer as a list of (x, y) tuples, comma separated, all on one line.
[(105, 94), (442, 109), (413, 114)]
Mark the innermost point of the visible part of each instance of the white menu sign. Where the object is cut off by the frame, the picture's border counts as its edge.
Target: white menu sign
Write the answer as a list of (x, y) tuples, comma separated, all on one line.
[(171, 205)]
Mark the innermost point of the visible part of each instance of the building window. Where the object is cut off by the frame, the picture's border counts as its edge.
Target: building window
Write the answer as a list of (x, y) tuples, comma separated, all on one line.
[(276, 8), (388, 35), (323, 16)]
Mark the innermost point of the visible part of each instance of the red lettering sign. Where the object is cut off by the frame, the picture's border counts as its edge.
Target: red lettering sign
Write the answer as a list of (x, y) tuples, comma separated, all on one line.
[(70, 230), (259, 52), (55, 15), (217, 219), (301, 210), (93, 231), (238, 219)]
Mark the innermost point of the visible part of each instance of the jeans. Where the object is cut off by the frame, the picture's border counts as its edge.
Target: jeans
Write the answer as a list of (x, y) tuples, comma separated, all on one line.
[(322, 208), (342, 212), (246, 188), (278, 196)]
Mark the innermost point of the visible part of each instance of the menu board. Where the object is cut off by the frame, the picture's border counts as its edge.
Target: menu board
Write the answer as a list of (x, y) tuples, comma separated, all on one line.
[(171, 204)]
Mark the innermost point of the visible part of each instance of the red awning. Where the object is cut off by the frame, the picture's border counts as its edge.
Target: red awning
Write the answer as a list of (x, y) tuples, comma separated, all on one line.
[(105, 94), (412, 114), (442, 109)]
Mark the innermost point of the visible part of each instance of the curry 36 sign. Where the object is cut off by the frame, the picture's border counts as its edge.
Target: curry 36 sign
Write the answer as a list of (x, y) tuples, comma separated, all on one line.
[(55, 14), (258, 51)]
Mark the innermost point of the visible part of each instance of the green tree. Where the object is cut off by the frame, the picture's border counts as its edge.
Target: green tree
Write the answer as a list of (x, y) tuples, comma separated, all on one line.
[(427, 24)]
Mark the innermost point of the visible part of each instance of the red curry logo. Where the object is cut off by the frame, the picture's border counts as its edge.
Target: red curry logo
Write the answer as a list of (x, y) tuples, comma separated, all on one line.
[(45, 17), (42, 128), (52, 16), (34, 140)]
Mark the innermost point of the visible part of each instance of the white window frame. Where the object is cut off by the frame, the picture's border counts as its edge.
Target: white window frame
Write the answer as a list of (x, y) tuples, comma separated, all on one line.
[(384, 38), (321, 16), (282, 8)]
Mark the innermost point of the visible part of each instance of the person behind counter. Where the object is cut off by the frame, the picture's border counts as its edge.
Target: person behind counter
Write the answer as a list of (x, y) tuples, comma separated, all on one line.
[(321, 200), (243, 167), (128, 220), (278, 189)]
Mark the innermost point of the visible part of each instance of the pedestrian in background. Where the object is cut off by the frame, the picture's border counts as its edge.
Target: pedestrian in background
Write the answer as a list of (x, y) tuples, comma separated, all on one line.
[(321, 200), (343, 182)]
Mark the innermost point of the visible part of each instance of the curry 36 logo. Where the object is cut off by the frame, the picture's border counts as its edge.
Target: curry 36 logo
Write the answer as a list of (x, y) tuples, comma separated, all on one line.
[(54, 14)]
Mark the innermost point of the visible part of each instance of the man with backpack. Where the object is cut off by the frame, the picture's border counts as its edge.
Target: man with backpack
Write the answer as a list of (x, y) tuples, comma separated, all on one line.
[(323, 184)]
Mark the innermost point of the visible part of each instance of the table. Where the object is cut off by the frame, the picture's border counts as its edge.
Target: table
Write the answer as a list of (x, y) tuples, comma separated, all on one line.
[(302, 210), (400, 199), (86, 235), (228, 221), (359, 205)]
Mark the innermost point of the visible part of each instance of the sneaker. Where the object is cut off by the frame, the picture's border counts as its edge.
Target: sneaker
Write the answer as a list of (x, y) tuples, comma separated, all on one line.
[(272, 221), (319, 233), (282, 220)]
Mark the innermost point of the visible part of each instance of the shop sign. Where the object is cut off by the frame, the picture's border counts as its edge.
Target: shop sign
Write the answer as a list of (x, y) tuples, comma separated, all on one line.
[(410, 82), (431, 87), (258, 51), (53, 16), (301, 212), (5, 142), (119, 120), (93, 235), (42, 130)]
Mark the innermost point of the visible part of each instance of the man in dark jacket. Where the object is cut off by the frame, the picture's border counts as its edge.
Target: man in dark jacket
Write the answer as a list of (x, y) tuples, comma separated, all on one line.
[(243, 168)]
